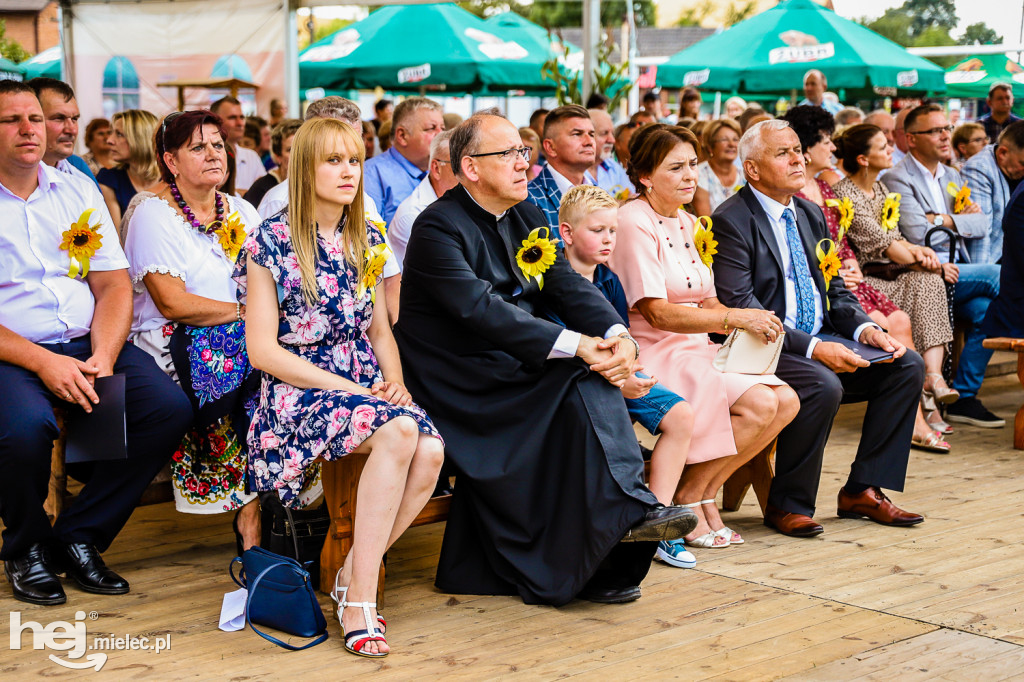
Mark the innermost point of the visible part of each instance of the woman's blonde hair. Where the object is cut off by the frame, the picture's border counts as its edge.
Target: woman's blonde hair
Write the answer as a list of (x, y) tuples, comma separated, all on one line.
[(315, 142), (139, 129)]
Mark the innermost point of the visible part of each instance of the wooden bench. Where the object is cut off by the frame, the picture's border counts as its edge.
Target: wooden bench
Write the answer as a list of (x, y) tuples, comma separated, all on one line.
[(340, 480), (1015, 346)]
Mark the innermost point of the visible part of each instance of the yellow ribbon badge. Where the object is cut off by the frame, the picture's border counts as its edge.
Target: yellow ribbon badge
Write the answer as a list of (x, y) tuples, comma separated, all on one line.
[(891, 211), (536, 255), (828, 263), (81, 241), (704, 240), (379, 224), (961, 196), (231, 235), (845, 208), (375, 256)]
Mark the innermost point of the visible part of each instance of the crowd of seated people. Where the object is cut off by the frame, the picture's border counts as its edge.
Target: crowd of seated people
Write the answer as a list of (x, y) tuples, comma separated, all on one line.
[(454, 300)]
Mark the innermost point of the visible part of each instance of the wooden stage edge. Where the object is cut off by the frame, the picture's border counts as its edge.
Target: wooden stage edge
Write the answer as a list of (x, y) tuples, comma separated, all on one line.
[(940, 601)]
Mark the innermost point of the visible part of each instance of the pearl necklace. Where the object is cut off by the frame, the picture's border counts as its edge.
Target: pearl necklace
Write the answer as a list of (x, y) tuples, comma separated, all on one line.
[(687, 245)]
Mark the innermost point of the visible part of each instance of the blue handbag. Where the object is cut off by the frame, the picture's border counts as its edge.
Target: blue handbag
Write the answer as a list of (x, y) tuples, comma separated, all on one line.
[(280, 596)]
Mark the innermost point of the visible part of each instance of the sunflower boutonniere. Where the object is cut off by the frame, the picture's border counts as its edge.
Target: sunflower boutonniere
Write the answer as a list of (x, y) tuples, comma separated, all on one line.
[(961, 196), (828, 263), (375, 256), (536, 255), (704, 240), (81, 240), (845, 208), (231, 235), (891, 211)]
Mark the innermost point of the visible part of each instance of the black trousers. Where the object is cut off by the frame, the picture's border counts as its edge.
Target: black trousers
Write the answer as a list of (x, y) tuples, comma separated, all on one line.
[(892, 391), (158, 415)]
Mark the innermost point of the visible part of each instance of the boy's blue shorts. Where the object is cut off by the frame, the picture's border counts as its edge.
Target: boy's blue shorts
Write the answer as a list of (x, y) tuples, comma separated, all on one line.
[(653, 407)]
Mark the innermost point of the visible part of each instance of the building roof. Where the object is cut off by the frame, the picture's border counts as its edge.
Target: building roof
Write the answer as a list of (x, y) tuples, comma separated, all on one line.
[(650, 41), (13, 6)]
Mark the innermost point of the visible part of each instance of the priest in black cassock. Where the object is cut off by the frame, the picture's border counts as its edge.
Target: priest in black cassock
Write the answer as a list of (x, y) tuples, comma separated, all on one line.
[(549, 497)]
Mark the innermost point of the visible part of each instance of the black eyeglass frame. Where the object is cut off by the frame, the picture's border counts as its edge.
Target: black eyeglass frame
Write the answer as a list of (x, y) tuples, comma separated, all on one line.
[(524, 151)]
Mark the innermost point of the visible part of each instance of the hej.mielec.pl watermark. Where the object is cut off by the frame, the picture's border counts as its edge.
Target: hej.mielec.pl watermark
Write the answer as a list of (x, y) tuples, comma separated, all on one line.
[(72, 638)]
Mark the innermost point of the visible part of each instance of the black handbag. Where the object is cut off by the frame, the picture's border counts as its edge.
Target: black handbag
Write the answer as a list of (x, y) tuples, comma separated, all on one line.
[(280, 596), (298, 534)]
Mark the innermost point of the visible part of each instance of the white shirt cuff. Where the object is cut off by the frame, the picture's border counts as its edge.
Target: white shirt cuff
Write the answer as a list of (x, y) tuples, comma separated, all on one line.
[(615, 330), (810, 347), (860, 330), (566, 345)]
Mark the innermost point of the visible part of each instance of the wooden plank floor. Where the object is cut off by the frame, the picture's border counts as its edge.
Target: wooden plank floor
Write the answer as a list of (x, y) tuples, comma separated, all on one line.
[(943, 600)]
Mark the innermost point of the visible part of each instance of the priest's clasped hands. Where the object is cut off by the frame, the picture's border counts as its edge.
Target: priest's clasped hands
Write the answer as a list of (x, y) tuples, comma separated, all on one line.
[(613, 358)]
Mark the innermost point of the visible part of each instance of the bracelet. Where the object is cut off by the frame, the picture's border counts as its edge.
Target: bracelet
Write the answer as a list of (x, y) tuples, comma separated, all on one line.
[(725, 324), (238, 311)]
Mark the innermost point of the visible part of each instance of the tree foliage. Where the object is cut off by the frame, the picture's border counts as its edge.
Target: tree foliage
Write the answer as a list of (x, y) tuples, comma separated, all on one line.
[(979, 34), (735, 12), (609, 79), (559, 14), (11, 49)]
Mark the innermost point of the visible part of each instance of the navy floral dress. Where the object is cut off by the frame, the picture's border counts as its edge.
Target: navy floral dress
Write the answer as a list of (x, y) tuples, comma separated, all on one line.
[(292, 426)]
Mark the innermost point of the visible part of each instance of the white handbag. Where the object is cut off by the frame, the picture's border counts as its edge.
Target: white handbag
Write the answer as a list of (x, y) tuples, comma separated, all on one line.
[(747, 353)]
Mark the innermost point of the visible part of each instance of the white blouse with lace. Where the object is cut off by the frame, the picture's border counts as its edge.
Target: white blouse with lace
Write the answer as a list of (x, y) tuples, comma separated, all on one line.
[(160, 241)]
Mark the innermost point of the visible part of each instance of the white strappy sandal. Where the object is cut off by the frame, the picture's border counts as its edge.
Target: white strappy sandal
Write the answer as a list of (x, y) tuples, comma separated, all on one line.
[(711, 540), (338, 595), (357, 640)]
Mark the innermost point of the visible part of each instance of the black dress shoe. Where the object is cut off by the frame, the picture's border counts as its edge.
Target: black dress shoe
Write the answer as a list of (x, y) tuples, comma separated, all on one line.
[(663, 523), (85, 566), (32, 580), (610, 595)]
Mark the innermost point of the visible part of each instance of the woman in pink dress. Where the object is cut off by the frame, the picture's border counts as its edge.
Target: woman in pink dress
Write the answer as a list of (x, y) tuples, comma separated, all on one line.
[(673, 307)]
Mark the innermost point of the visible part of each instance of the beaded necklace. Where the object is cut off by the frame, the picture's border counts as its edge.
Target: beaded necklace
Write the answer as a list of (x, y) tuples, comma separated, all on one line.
[(191, 217), (687, 245)]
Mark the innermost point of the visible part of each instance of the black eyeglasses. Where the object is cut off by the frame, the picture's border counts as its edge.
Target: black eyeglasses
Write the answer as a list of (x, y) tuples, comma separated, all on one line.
[(932, 131), (524, 152)]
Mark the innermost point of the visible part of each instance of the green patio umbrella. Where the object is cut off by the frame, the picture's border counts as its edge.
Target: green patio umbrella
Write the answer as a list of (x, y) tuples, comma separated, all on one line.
[(422, 47), (975, 75), (771, 52), (10, 70), (47, 63), (536, 38)]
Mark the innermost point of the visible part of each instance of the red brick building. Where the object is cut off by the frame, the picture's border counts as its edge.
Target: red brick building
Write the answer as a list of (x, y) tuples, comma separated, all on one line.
[(32, 23)]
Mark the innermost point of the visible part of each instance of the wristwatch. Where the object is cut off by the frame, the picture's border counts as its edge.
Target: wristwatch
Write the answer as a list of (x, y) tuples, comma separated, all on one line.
[(938, 221)]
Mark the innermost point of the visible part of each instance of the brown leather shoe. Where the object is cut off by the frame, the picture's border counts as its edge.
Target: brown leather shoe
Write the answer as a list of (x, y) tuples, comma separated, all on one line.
[(795, 525), (873, 504)]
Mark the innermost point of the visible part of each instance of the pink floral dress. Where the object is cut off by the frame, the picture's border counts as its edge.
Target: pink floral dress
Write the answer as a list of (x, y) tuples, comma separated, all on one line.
[(293, 426)]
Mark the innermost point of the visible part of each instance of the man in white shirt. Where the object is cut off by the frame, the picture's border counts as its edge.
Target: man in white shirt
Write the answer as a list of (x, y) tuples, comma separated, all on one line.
[(60, 109), (767, 258), (439, 180), (65, 310), (248, 165), (815, 86), (570, 147), (276, 197)]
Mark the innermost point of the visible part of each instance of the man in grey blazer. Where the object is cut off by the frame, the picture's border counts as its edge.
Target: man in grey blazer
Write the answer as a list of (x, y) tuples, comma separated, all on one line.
[(925, 184), (993, 174)]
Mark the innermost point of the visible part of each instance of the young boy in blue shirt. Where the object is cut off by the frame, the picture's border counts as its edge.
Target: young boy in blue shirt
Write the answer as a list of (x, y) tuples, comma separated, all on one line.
[(588, 219)]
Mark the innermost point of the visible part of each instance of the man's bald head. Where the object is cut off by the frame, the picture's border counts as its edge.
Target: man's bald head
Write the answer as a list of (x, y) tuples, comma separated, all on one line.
[(884, 121), (899, 134)]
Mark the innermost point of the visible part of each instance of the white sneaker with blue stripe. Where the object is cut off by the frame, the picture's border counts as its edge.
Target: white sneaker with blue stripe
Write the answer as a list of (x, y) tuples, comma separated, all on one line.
[(674, 553)]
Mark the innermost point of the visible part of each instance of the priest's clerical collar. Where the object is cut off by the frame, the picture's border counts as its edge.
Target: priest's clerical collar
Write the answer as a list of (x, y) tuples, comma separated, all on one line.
[(470, 195)]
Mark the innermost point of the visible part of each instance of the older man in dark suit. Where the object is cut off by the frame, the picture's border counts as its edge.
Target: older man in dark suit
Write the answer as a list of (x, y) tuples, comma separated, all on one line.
[(767, 258), (548, 472)]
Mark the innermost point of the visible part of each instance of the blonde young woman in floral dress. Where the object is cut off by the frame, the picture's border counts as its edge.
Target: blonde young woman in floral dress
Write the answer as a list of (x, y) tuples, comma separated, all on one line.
[(814, 126), (874, 236), (311, 275)]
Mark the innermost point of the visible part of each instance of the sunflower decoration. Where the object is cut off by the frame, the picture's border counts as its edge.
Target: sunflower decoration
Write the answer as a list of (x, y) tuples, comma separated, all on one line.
[(961, 196), (379, 224), (81, 241), (536, 255), (891, 211), (622, 194), (704, 240), (375, 256), (845, 208), (231, 235), (828, 263)]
